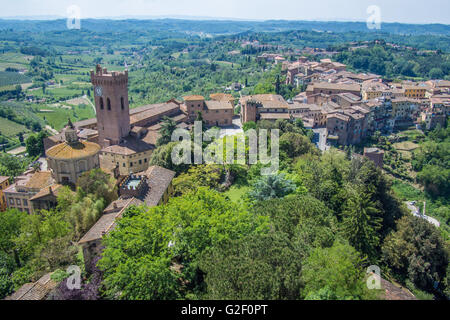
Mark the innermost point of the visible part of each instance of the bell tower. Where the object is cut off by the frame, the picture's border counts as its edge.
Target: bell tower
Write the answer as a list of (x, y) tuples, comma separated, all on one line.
[(111, 104)]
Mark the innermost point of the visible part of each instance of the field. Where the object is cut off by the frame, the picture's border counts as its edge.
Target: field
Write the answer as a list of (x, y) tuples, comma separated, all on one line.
[(10, 129), (12, 78), (57, 117)]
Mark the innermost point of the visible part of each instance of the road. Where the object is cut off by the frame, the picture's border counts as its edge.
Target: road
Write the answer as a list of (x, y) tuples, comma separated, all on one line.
[(90, 102), (416, 212), (322, 143), (232, 130), (51, 129)]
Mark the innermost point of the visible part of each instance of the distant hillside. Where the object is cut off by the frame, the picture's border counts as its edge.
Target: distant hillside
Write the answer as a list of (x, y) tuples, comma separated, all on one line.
[(221, 26)]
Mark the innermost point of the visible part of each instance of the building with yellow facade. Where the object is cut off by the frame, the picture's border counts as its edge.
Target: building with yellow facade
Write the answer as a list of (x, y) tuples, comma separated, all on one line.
[(4, 183)]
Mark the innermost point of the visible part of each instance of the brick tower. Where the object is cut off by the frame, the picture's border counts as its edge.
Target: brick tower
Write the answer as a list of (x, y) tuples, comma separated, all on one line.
[(111, 103)]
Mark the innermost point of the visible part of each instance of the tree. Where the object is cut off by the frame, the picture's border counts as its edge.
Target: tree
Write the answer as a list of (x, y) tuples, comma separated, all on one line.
[(35, 144), (161, 246), (162, 156), (335, 273), (99, 184), (436, 74), (20, 136), (259, 267), (271, 186), (196, 177), (361, 222), (296, 144), (168, 126), (11, 222), (32, 146), (12, 166), (416, 251)]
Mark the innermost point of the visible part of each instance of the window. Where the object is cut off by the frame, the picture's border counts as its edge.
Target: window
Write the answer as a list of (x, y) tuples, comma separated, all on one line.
[(101, 104), (108, 103), (11, 201), (25, 202), (140, 161), (131, 164), (123, 164), (145, 160), (18, 201), (122, 103)]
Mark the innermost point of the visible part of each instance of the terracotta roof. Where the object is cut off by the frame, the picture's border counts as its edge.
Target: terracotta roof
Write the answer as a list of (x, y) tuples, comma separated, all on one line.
[(194, 98), (40, 180), (394, 292), (274, 116), (219, 105), (107, 222), (82, 149), (221, 97), (335, 86), (132, 145), (267, 100), (158, 180), (339, 116), (54, 189), (3, 179), (35, 291), (153, 110)]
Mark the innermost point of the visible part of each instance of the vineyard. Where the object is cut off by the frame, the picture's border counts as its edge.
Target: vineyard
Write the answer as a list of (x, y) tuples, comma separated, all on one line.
[(12, 78)]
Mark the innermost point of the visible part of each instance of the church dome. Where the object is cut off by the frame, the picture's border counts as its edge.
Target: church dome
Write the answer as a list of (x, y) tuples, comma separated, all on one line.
[(78, 150)]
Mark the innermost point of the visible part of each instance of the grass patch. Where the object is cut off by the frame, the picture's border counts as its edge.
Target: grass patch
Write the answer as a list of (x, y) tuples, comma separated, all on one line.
[(405, 146), (236, 192), (57, 119)]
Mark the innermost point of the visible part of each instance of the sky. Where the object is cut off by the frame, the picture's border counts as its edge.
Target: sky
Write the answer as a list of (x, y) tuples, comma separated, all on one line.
[(405, 11)]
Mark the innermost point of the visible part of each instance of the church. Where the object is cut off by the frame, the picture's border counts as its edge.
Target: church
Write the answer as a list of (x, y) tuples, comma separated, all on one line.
[(127, 137)]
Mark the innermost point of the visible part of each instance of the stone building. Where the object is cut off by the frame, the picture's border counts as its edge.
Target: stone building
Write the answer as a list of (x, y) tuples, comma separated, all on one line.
[(19, 194), (376, 155), (264, 107), (69, 160), (111, 104), (214, 112), (332, 88)]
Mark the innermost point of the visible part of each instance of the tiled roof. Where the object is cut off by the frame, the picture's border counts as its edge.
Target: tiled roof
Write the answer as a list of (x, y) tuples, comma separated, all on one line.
[(65, 151), (107, 222), (194, 98), (221, 97), (159, 180), (35, 291), (274, 116), (3, 179), (393, 292), (54, 189), (152, 111), (336, 86), (40, 180), (132, 145), (218, 105)]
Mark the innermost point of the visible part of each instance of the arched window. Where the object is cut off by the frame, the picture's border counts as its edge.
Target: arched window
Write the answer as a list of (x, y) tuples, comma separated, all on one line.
[(122, 103), (108, 103), (101, 103)]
